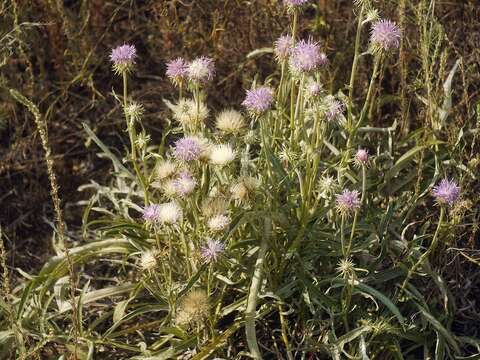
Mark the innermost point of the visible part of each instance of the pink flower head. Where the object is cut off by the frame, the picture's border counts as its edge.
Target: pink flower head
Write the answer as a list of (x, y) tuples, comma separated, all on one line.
[(187, 149), (177, 70), (185, 183), (446, 192), (283, 46), (295, 3), (201, 69), (151, 213), (314, 89), (361, 157), (306, 57), (259, 100), (348, 201), (212, 250), (385, 34), (123, 57), (334, 109)]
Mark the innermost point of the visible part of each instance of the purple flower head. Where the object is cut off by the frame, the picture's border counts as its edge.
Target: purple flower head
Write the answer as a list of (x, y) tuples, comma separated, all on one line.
[(185, 183), (187, 149), (385, 35), (151, 213), (201, 69), (447, 192), (334, 108), (283, 46), (212, 250), (177, 70), (348, 201), (295, 3), (123, 57), (259, 100), (314, 89), (361, 157), (306, 57)]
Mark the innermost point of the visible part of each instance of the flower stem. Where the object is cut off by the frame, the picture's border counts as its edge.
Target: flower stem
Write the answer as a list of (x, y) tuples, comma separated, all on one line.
[(250, 311), (354, 67), (427, 253)]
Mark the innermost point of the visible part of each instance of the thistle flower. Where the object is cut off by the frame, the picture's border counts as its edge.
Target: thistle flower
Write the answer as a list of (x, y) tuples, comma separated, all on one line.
[(188, 114), (212, 251), (151, 213), (306, 57), (283, 46), (385, 35), (201, 69), (314, 89), (184, 184), (446, 192), (194, 309), (222, 154), (258, 100), (230, 121), (361, 157), (218, 222), (293, 4), (165, 169), (123, 58), (187, 149), (348, 201), (148, 260), (169, 213), (334, 108), (177, 70)]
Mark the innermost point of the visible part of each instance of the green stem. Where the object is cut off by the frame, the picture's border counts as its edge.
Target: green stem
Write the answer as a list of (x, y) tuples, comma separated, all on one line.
[(342, 234), (250, 311), (427, 253), (355, 218), (354, 67)]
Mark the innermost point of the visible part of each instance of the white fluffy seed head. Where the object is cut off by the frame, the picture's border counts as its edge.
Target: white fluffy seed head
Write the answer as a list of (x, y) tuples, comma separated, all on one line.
[(230, 121), (148, 260), (187, 114), (244, 188), (165, 169), (170, 213), (218, 222), (169, 188), (222, 154)]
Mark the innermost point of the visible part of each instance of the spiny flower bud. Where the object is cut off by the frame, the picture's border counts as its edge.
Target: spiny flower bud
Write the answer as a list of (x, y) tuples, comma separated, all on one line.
[(230, 121)]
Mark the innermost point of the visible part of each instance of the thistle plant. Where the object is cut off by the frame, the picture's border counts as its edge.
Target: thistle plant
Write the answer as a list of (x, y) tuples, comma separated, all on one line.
[(283, 227)]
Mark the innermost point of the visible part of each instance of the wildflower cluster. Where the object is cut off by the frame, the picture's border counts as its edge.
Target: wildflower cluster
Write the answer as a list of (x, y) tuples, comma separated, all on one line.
[(291, 197)]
